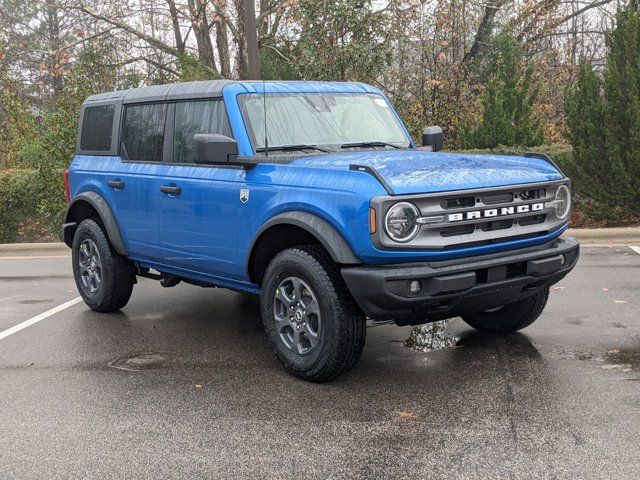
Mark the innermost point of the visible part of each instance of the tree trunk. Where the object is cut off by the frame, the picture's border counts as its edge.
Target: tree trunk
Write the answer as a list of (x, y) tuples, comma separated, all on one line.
[(484, 29), (222, 41), (201, 32), (241, 52), (53, 37), (251, 34), (175, 23)]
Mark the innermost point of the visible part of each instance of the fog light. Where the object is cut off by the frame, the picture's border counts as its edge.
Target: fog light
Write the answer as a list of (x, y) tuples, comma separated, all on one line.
[(415, 286), (563, 259)]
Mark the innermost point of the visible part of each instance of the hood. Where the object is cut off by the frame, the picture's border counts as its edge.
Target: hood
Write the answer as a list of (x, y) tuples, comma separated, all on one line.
[(418, 171)]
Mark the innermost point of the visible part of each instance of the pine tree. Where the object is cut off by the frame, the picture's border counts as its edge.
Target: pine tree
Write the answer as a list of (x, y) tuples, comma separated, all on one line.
[(508, 100), (622, 94), (604, 122), (586, 119)]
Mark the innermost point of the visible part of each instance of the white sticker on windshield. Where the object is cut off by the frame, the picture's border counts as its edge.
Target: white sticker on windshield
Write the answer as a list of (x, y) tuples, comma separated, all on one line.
[(380, 102)]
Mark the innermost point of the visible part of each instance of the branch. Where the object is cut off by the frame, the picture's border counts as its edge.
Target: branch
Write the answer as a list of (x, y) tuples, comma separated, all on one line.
[(484, 29), (565, 19), (148, 60), (86, 39), (123, 26)]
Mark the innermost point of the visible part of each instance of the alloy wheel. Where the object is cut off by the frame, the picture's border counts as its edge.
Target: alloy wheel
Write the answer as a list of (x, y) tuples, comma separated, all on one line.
[(90, 265), (297, 315)]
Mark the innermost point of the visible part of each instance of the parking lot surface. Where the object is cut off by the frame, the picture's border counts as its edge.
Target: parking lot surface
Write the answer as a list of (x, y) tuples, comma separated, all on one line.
[(181, 384)]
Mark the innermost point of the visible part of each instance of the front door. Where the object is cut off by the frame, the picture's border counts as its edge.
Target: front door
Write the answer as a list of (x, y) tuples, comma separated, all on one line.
[(199, 203)]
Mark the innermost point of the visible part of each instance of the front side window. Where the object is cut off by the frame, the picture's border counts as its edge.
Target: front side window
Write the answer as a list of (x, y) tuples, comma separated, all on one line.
[(192, 118), (143, 132), (329, 120), (97, 128)]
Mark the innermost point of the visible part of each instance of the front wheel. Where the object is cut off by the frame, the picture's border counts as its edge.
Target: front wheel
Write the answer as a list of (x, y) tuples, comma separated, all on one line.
[(104, 278), (509, 318), (311, 321)]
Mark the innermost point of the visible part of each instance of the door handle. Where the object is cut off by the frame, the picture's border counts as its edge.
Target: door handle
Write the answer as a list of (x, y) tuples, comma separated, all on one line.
[(116, 184), (171, 189)]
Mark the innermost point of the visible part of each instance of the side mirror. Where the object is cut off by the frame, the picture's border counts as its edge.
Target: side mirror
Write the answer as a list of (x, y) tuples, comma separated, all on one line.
[(212, 148), (433, 137)]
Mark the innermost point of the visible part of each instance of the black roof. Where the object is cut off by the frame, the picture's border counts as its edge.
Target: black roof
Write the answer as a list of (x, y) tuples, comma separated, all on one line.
[(172, 91)]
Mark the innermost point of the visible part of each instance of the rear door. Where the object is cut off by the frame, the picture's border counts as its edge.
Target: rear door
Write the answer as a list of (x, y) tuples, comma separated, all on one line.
[(198, 203), (133, 184)]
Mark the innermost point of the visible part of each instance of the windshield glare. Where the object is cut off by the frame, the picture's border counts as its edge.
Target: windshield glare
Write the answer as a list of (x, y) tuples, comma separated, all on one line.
[(328, 120)]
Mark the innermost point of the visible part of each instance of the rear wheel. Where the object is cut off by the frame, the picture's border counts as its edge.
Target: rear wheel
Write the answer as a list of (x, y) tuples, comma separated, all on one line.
[(313, 324), (104, 278), (510, 318)]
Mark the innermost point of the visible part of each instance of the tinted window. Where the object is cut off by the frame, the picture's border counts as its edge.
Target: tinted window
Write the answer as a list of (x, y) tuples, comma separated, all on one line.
[(97, 125), (143, 132), (205, 116)]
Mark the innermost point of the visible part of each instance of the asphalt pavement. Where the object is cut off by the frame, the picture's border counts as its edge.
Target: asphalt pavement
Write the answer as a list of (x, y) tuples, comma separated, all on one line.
[(181, 384)]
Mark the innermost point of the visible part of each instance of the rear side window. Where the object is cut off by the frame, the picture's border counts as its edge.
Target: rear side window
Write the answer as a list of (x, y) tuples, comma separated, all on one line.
[(143, 132), (202, 116), (97, 127)]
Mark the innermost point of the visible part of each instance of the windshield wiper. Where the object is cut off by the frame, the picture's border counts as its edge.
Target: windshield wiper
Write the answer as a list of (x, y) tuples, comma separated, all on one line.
[(368, 144), (286, 148)]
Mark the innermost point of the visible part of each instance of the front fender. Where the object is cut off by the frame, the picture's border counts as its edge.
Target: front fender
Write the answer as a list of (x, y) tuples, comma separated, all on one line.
[(326, 234)]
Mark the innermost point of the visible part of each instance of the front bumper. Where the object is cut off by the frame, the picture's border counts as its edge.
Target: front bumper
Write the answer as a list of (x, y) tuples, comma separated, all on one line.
[(456, 287)]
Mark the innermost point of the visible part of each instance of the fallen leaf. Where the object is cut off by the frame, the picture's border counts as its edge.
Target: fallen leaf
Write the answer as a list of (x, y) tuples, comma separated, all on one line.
[(407, 415), (626, 370), (559, 288), (605, 289), (620, 301), (198, 385), (614, 350)]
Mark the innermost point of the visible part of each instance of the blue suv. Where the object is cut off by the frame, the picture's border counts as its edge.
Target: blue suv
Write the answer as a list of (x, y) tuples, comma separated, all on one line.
[(313, 196)]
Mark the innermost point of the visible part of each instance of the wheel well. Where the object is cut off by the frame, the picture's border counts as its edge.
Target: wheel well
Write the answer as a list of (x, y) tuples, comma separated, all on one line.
[(79, 211), (271, 242)]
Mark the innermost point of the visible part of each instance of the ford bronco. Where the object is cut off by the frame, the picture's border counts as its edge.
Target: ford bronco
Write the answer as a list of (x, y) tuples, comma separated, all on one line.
[(313, 196)]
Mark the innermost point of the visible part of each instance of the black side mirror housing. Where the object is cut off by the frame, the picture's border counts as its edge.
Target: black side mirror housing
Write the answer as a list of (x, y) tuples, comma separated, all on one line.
[(212, 148), (433, 137)]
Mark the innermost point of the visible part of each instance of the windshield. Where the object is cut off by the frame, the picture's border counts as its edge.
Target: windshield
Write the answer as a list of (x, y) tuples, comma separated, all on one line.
[(326, 120)]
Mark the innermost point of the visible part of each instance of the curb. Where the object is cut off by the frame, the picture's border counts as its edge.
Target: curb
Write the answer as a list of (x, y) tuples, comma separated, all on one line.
[(606, 236), (586, 236), (34, 250)]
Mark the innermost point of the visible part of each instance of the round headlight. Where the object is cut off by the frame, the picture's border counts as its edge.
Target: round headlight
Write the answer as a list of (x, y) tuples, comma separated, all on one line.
[(562, 201), (401, 221)]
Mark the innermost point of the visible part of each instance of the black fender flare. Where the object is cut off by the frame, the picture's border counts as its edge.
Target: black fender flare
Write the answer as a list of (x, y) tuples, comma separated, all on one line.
[(326, 234), (101, 206)]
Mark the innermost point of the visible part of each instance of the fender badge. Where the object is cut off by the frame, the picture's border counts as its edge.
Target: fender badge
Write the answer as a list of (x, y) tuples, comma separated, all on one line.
[(244, 195)]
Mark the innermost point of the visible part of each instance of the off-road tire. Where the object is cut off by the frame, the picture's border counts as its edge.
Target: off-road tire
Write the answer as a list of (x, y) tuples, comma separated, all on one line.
[(117, 273), (512, 317), (342, 333)]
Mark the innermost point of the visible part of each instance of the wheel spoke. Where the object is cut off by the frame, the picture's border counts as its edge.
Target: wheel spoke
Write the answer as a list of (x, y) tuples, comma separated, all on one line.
[(311, 307), (311, 336), (84, 250), (281, 295), (297, 289), (296, 346), (281, 322)]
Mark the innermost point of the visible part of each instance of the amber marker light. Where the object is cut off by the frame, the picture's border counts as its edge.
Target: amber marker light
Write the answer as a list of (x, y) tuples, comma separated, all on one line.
[(372, 221)]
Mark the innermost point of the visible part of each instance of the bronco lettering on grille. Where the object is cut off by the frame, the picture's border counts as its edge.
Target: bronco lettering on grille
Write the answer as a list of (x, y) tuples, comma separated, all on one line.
[(495, 212)]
